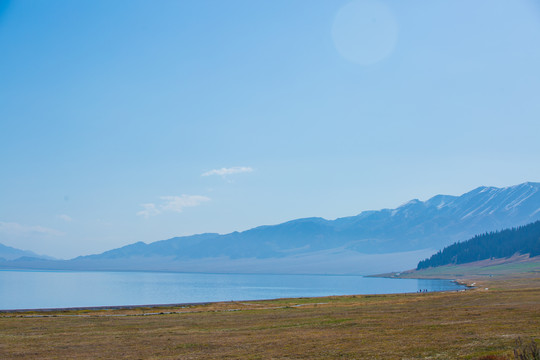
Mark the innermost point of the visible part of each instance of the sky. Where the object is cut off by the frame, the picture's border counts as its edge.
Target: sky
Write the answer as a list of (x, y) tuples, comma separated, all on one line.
[(129, 120)]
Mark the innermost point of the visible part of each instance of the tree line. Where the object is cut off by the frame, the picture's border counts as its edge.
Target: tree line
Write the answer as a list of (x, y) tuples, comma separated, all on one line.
[(497, 244)]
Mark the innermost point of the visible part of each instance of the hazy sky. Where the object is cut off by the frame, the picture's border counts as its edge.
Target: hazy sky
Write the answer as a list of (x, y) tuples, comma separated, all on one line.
[(125, 121)]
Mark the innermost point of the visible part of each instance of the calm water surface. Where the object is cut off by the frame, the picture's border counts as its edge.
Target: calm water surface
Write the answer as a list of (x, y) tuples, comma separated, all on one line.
[(52, 289)]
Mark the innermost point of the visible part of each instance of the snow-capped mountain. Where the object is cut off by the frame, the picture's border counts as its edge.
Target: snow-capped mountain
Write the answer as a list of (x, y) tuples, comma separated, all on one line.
[(414, 230)]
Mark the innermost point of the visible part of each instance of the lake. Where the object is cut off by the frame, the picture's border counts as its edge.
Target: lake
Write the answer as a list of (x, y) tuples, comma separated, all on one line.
[(58, 289)]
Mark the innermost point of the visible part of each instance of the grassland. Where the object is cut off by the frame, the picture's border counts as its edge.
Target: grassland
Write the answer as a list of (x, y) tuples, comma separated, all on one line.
[(451, 325)]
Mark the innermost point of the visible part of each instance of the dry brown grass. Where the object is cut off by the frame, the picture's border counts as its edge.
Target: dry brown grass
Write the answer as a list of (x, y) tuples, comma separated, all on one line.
[(453, 325)]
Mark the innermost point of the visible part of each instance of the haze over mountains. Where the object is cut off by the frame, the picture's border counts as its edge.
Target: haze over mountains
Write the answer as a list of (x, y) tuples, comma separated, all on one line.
[(11, 253), (373, 241)]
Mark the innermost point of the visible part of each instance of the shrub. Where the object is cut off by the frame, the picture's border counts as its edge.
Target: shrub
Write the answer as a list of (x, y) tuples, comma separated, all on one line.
[(526, 350)]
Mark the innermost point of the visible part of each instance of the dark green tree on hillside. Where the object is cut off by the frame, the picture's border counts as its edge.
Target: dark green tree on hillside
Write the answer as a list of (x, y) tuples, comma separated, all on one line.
[(499, 244)]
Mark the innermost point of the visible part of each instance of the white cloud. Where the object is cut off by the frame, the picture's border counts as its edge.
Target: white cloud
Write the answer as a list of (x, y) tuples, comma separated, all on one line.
[(229, 171), (172, 203), (149, 210), (177, 203), (13, 228), (65, 217)]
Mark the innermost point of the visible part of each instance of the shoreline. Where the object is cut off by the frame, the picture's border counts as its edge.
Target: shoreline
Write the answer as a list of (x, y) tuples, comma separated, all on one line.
[(463, 282), (204, 303), (113, 307)]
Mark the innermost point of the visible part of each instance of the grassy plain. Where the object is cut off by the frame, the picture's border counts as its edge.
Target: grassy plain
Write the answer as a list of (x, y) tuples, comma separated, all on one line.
[(451, 325)]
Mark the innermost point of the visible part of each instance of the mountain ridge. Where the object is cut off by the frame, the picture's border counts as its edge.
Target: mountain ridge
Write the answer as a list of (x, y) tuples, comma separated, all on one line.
[(364, 232), (11, 253), (415, 227)]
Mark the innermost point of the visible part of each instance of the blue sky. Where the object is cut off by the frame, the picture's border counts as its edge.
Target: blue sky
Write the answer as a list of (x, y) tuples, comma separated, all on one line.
[(125, 121)]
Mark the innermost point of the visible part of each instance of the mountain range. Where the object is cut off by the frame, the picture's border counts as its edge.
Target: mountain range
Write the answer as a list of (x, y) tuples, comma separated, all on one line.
[(372, 241), (11, 253)]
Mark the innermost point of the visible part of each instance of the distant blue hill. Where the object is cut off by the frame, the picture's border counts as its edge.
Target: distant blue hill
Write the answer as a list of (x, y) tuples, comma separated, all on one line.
[(11, 253), (373, 241)]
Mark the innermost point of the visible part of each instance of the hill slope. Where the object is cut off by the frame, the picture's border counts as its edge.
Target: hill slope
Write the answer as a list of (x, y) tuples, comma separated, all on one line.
[(499, 244), (11, 253)]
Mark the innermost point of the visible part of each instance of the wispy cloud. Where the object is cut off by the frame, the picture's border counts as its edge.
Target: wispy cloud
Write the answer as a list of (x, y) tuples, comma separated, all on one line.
[(177, 203), (12, 228), (64, 217), (148, 210), (228, 171), (171, 203)]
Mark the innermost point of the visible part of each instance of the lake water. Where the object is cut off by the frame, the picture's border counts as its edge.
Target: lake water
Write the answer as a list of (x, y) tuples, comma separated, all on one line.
[(54, 289)]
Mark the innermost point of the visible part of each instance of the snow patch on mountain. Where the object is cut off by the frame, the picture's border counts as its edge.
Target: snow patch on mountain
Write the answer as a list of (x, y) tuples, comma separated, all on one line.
[(521, 199)]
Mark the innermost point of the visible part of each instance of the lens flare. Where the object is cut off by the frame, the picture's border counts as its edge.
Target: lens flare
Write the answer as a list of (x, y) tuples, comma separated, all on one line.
[(365, 31)]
